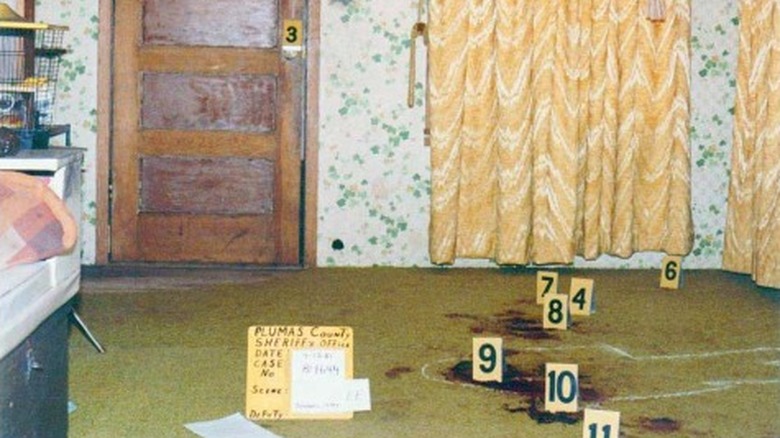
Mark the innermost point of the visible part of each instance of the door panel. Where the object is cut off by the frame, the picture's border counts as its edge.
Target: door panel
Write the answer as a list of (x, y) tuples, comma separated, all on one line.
[(206, 135), (206, 185), (207, 239), (200, 102), (227, 23)]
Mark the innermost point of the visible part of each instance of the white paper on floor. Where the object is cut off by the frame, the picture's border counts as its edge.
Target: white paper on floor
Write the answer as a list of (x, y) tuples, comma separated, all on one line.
[(331, 396), (232, 426), (319, 384)]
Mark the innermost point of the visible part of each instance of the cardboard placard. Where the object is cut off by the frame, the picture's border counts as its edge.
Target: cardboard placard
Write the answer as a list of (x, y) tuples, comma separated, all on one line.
[(581, 300), (671, 272), (555, 312), (546, 283), (487, 359), (292, 35), (561, 387), (601, 424), (327, 354)]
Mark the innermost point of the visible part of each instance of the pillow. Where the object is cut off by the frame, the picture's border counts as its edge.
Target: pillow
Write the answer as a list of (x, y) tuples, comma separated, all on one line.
[(34, 222)]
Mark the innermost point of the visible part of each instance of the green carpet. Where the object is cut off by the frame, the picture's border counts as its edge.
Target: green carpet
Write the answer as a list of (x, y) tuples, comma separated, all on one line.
[(703, 361)]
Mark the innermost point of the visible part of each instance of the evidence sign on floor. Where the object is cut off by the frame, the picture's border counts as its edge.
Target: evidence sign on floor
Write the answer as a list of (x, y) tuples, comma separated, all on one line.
[(561, 387), (487, 358), (601, 424), (546, 283), (302, 372)]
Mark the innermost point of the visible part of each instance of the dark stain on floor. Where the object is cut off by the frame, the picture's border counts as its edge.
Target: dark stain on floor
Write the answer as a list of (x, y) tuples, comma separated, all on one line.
[(659, 425), (529, 386), (512, 323), (461, 316), (515, 323), (396, 372)]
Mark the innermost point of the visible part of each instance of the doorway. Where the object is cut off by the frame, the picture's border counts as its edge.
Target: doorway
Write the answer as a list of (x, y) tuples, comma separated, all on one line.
[(207, 161)]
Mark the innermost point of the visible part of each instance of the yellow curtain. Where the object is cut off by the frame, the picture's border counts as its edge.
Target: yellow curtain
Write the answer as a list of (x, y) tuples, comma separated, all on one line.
[(752, 242), (558, 127)]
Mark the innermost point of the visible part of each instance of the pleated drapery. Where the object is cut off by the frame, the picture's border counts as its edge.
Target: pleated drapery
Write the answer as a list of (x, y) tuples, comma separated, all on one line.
[(558, 128), (752, 238)]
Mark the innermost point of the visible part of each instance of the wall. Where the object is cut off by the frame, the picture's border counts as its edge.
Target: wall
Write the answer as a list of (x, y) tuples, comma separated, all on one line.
[(374, 175), (77, 94)]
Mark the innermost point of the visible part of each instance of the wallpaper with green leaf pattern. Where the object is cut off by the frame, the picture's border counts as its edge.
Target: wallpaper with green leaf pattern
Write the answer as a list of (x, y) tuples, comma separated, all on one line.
[(374, 182), (76, 99)]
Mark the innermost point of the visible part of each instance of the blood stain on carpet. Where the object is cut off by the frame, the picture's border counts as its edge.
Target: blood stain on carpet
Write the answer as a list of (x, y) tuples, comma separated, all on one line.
[(529, 386), (509, 323), (461, 316), (396, 372), (659, 425)]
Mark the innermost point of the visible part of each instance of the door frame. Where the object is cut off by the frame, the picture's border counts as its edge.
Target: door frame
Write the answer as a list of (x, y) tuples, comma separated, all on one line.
[(310, 134)]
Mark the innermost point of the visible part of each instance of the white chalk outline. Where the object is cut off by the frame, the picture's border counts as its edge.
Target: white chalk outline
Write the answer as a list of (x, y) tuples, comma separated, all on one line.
[(710, 386), (713, 386)]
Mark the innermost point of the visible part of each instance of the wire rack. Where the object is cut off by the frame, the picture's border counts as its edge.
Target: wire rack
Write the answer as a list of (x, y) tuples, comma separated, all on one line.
[(30, 55)]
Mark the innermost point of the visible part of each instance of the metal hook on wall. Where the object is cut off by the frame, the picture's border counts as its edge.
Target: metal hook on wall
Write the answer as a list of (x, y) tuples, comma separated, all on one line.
[(418, 30)]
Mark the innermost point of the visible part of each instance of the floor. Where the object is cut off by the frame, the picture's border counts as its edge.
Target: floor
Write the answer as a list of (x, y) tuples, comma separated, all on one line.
[(703, 360)]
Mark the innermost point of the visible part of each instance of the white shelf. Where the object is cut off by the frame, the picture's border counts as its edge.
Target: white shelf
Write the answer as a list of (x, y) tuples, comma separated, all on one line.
[(41, 160)]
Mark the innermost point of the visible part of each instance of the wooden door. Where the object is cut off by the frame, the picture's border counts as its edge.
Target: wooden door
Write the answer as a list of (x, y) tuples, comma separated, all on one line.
[(206, 147)]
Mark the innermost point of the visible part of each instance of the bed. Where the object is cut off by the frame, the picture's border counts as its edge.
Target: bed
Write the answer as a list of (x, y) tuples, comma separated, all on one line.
[(38, 281)]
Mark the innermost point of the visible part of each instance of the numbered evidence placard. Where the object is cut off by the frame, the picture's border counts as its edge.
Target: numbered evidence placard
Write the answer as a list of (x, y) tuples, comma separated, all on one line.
[(581, 297), (561, 387), (671, 272), (283, 360), (292, 35), (487, 360), (546, 283), (601, 424), (555, 312)]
